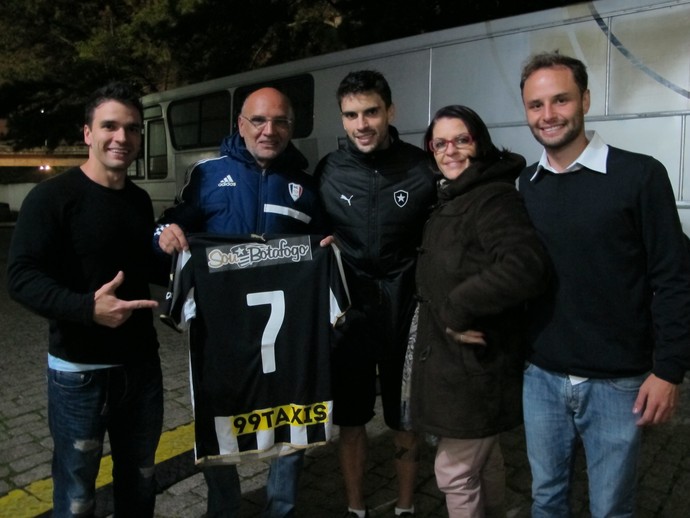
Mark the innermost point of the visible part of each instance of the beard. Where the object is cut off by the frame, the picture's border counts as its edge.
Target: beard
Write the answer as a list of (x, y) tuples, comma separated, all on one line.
[(573, 129)]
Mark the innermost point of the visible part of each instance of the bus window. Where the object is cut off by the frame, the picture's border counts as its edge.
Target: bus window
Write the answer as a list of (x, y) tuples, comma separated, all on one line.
[(136, 169), (157, 150), (200, 121), (300, 91)]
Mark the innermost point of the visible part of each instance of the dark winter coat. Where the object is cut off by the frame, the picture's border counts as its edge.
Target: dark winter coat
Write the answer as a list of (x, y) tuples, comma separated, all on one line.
[(479, 262), (377, 203)]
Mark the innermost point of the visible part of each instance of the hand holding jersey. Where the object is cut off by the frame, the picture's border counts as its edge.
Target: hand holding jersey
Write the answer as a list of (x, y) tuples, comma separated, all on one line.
[(327, 241), (172, 239)]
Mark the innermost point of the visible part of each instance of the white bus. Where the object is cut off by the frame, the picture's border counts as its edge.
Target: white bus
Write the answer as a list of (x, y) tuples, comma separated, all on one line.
[(637, 53)]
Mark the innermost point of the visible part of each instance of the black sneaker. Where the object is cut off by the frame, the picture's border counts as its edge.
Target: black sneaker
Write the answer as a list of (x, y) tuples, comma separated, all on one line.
[(352, 514)]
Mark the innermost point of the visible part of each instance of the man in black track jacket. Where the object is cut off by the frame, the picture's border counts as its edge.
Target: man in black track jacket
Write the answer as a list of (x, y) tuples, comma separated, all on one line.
[(377, 192)]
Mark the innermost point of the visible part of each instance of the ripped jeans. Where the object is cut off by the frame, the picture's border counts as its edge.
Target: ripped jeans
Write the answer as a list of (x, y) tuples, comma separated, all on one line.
[(127, 402)]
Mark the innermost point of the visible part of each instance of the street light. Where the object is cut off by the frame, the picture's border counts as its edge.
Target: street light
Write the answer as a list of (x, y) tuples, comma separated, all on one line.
[(45, 142)]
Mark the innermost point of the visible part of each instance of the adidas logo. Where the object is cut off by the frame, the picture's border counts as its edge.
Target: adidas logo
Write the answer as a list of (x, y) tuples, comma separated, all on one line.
[(227, 182)]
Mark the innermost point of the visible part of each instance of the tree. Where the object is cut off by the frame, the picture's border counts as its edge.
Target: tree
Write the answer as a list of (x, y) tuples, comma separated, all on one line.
[(53, 53)]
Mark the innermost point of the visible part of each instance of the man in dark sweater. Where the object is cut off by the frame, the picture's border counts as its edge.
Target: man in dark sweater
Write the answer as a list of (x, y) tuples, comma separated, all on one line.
[(81, 257), (611, 339)]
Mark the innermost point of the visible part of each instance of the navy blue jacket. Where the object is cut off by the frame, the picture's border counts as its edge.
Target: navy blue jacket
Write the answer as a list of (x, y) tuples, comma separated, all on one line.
[(232, 194)]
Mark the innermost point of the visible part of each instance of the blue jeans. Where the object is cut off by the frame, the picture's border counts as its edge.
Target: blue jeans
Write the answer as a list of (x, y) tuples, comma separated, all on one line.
[(224, 493), (127, 402), (599, 412)]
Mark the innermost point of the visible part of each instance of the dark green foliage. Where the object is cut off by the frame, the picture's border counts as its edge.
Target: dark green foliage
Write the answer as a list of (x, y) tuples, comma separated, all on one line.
[(53, 53)]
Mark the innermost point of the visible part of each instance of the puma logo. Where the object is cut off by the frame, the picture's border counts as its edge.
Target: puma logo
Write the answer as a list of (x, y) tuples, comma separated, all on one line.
[(348, 200)]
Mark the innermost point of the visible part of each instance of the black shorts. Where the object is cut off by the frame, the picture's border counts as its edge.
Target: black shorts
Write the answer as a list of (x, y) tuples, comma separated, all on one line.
[(357, 359)]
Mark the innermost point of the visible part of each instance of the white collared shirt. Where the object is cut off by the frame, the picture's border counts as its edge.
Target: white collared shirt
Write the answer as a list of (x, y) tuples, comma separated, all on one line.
[(593, 157)]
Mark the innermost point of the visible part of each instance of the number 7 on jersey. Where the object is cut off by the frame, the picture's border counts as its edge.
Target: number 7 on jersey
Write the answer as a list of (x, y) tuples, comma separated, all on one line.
[(276, 299)]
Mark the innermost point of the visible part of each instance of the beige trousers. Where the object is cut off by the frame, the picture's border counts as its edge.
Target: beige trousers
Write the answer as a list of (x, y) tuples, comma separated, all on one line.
[(472, 475)]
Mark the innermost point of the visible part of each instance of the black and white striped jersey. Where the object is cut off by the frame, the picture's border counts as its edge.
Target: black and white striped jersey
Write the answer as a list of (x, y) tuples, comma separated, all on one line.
[(260, 312)]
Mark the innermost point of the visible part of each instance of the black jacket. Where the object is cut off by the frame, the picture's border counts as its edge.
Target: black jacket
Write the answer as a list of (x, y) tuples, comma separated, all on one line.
[(479, 262), (377, 204)]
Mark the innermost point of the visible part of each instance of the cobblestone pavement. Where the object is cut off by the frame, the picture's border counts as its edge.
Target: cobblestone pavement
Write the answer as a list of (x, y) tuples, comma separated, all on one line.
[(25, 445)]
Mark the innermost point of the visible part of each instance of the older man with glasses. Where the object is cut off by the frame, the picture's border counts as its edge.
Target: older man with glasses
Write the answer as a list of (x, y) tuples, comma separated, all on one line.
[(257, 185)]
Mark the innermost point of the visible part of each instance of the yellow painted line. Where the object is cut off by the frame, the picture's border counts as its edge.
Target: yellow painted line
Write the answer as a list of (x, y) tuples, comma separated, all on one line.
[(37, 497), (174, 442)]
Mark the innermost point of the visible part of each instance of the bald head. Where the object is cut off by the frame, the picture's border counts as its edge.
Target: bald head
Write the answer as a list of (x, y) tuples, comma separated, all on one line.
[(265, 124), (268, 96)]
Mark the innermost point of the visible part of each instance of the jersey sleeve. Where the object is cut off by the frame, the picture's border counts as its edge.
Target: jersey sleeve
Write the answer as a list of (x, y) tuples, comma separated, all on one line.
[(339, 293), (179, 307)]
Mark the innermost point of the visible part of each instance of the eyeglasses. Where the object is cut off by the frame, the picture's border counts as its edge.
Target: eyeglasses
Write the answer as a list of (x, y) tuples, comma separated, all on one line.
[(440, 145), (259, 122)]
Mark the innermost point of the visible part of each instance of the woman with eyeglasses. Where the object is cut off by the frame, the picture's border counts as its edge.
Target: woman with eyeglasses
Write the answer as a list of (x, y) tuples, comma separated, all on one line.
[(480, 261)]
